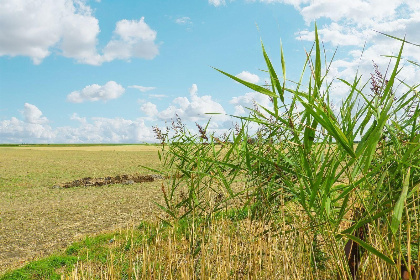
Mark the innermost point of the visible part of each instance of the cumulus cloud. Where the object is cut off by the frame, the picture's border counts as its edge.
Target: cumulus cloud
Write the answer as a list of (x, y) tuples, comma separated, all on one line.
[(193, 108), (33, 115), (142, 88), (79, 38), (149, 109), (249, 100), (354, 25), (31, 28), (95, 92), (34, 128), (193, 89), (362, 11), (106, 130), (132, 39), (355, 22), (249, 77), (34, 28)]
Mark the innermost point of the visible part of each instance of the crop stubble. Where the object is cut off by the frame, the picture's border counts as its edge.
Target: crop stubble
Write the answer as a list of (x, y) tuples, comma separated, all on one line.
[(36, 219)]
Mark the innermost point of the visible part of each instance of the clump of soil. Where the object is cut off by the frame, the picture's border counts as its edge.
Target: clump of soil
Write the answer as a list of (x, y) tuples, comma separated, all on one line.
[(119, 179)]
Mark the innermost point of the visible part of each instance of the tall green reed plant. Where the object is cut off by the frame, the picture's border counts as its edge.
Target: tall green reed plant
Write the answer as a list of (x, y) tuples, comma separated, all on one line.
[(365, 155)]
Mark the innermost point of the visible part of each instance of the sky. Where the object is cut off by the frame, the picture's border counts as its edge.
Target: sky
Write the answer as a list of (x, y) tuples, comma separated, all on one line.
[(107, 71)]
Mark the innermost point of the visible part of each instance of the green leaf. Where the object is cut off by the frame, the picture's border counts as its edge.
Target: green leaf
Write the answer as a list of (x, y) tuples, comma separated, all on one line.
[(399, 206), (166, 210), (317, 76), (283, 62), (370, 249), (247, 157), (396, 38), (416, 188), (273, 75), (368, 219), (152, 169), (329, 124), (250, 85)]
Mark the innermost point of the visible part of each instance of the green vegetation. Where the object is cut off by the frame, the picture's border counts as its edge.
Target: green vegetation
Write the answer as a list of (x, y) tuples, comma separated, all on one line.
[(367, 193), (42, 269)]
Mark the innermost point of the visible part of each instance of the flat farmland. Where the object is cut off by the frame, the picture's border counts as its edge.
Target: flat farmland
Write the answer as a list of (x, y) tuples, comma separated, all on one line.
[(37, 219)]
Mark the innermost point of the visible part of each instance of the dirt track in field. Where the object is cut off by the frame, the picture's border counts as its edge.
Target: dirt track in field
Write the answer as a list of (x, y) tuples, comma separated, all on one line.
[(37, 219)]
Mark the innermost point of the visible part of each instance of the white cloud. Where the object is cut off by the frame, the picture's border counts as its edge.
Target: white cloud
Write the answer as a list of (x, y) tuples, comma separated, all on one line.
[(31, 28), (353, 24), (149, 109), (248, 100), (361, 11), (217, 3), (338, 35), (193, 89), (35, 129), (33, 115), (158, 96), (132, 39), (192, 108), (249, 77), (133, 30), (34, 28), (295, 3), (183, 20), (79, 38), (105, 130), (95, 92), (142, 88), (75, 117), (239, 110)]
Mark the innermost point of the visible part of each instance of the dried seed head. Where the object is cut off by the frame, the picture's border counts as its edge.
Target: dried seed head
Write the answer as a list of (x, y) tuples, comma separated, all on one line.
[(202, 132), (177, 126), (377, 81), (159, 134)]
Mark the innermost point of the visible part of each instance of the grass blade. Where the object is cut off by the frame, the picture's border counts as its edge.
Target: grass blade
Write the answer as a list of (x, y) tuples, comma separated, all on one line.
[(398, 209), (370, 249), (248, 84)]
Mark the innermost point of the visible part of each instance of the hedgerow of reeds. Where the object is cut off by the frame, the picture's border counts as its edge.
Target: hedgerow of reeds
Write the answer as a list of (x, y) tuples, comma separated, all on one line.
[(347, 170)]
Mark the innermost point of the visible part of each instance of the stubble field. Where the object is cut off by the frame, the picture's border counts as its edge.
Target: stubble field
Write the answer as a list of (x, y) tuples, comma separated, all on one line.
[(37, 219)]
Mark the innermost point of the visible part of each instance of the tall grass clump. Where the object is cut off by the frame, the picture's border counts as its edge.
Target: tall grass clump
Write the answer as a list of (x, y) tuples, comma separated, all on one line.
[(349, 175)]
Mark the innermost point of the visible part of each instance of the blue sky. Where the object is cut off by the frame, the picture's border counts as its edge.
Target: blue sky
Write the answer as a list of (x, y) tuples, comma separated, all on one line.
[(75, 71)]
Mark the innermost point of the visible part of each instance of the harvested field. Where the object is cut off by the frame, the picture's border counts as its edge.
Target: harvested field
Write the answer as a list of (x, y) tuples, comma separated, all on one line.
[(37, 220)]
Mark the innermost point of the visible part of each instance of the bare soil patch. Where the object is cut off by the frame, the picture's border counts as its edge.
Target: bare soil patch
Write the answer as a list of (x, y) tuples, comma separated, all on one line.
[(109, 180)]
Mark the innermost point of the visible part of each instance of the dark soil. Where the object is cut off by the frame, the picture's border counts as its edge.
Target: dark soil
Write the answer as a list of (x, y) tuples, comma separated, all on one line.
[(119, 179)]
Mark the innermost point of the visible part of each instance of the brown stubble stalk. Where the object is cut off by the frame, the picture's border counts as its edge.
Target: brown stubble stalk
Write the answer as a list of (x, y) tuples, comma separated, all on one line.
[(229, 250)]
